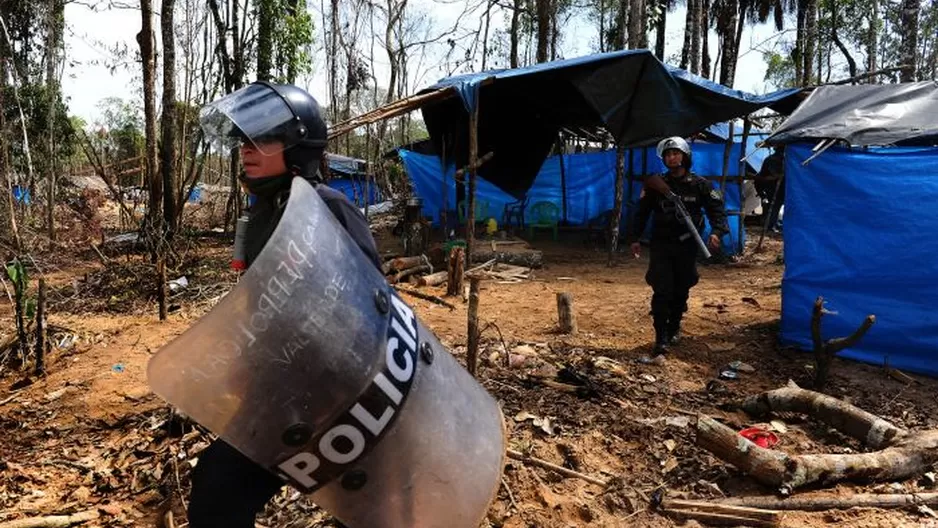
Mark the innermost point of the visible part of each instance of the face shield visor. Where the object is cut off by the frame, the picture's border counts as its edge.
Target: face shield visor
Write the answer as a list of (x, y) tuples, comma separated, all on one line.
[(255, 113)]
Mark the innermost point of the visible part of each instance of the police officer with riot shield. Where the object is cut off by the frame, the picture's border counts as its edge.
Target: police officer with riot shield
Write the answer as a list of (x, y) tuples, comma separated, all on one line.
[(312, 371), (672, 270)]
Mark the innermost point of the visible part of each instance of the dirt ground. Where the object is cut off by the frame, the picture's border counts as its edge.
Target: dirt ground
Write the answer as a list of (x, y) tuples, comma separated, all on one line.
[(89, 437)]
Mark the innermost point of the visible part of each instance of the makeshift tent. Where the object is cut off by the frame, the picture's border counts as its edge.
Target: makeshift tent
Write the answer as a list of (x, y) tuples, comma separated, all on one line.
[(355, 190), (589, 178), (630, 93), (860, 231), (874, 114), (349, 175)]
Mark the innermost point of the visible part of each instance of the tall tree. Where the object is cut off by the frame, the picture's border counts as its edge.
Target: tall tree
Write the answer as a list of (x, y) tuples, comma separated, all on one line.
[(909, 53), (145, 39), (266, 12), (54, 29), (168, 119), (543, 29)]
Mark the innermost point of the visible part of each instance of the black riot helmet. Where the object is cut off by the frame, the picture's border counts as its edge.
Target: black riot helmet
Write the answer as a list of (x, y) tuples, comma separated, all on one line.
[(263, 112)]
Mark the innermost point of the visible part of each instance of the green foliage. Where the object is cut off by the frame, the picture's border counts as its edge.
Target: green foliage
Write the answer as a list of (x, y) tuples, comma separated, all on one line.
[(780, 69), (35, 99), (20, 278)]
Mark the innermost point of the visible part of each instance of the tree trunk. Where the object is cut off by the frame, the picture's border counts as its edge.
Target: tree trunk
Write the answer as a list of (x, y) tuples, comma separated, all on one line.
[(55, 26), (705, 40), (797, 53), (810, 40), (265, 38), (695, 14), (851, 63), (909, 47), (554, 28), (168, 120), (515, 29), (872, 48), (622, 19), (660, 29), (145, 39), (636, 14), (686, 54), (543, 29)]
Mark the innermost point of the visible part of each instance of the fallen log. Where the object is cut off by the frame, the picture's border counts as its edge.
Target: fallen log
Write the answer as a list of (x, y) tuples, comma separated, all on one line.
[(720, 507), (403, 263), (719, 519), (913, 455), (834, 502), (52, 521), (528, 259), (427, 297), (516, 455), (903, 454), (848, 419), (765, 465), (434, 279), (398, 277)]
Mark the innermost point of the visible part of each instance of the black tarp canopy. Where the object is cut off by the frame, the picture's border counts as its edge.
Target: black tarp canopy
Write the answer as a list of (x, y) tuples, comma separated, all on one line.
[(630, 93), (865, 115)]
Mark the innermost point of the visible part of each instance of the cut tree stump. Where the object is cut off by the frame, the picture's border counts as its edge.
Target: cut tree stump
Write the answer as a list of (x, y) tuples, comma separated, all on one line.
[(903, 454), (824, 351), (565, 314), (457, 263)]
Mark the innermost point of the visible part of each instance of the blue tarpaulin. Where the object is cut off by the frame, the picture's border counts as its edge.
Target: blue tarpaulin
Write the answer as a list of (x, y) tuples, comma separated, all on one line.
[(860, 231), (354, 190), (21, 194), (590, 181), (631, 94)]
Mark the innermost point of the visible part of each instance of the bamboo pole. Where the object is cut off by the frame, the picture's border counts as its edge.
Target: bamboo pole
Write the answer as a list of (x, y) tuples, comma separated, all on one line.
[(726, 159), (617, 214), (747, 125), (473, 168)]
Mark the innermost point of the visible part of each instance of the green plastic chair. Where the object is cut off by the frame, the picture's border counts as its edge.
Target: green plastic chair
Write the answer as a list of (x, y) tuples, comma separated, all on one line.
[(482, 212), (544, 215)]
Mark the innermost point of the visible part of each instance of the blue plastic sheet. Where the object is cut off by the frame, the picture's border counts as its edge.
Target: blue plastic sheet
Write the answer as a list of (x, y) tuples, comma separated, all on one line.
[(860, 231), (590, 182), (354, 190)]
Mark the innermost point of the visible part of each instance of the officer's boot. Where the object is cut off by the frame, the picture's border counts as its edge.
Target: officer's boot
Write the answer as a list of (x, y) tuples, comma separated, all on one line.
[(661, 335), (674, 329)]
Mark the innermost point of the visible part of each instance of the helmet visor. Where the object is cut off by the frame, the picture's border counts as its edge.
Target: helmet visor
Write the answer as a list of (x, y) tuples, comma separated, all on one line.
[(255, 113)]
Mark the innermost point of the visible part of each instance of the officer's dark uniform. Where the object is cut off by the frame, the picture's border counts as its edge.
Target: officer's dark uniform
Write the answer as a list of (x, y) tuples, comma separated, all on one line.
[(229, 489), (672, 271)]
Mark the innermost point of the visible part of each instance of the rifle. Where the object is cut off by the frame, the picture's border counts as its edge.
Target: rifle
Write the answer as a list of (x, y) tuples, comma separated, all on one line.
[(657, 183)]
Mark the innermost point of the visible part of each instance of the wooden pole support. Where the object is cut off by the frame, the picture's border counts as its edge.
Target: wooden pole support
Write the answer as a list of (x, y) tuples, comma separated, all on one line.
[(41, 328), (472, 355), (565, 315)]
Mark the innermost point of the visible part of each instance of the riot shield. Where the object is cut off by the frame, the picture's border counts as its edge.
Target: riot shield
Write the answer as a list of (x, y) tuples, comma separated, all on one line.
[(314, 368)]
